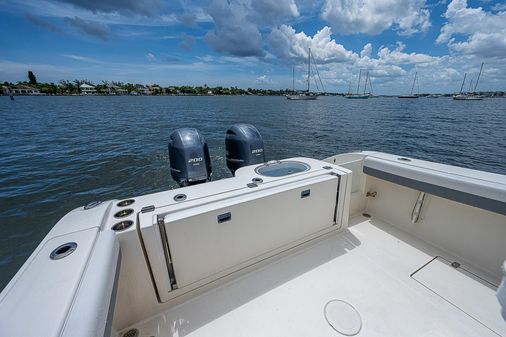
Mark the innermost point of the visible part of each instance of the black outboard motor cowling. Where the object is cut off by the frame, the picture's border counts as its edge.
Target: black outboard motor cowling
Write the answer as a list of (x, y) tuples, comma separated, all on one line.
[(190, 163), (244, 146)]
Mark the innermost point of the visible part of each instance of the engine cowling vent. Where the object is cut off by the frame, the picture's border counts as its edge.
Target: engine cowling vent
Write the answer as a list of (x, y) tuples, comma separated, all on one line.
[(244, 146), (190, 162)]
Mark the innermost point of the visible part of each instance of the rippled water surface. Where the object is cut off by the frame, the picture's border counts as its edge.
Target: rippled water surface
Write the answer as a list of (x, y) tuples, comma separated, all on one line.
[(58, 153)]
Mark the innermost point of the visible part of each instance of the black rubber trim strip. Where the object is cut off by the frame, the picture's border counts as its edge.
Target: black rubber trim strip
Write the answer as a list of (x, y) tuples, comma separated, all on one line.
[(488, 204)]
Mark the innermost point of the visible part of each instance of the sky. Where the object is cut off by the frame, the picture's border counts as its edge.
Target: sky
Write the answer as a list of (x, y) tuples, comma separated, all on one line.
[(256, 43)]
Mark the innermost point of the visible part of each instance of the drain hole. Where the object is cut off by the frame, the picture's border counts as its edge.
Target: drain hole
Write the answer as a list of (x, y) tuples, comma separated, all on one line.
[(403, 159), (123, 213), (131, 333), (180, 197), (367, 215), (63, 251), (124, 203), (121, 226)]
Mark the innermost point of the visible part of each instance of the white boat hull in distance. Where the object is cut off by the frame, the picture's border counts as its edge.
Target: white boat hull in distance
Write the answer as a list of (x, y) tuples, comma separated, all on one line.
[(467, 98), (357, 96), (302, 97)]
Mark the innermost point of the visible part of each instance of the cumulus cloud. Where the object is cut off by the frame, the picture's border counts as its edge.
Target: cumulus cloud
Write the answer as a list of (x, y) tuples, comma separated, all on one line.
[(366, 51), (485, 32), (398, 56), (270, 11), (375, 16), (126, 7), (233, 32), (286, 43), (389, 67), (237, 24), (92, 28)]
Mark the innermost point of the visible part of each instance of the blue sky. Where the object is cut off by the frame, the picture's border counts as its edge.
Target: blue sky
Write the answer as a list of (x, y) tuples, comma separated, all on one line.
[(255, 43)]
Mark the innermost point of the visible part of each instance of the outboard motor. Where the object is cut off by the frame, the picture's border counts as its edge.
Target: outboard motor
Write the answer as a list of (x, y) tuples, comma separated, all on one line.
[(190, 163), (244, 146)]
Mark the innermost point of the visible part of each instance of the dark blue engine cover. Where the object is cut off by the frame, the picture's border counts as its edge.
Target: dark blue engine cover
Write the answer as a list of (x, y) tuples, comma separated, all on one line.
[(189, 157), (244, 146)]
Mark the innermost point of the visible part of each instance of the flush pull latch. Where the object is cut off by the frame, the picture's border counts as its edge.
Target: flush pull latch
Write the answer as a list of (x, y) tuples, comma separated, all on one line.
[(224, 217)]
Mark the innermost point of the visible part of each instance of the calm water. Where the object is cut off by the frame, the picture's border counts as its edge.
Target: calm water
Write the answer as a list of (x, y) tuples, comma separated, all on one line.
[(58, 153)]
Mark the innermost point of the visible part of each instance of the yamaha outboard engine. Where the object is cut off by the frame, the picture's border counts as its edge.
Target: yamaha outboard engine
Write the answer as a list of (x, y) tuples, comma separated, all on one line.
[(190, 163), (244, 146)]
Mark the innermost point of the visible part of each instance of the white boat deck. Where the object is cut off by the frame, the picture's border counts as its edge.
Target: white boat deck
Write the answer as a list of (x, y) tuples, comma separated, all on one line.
[(370, 266)]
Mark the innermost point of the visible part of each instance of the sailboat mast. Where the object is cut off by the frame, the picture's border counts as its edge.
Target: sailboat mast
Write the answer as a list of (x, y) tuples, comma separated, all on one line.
[(308, 70), (476, 85), (417, 85), (470, 85), (359, 78), (413, 86), (463, 81), (293, 79), (366, 80)]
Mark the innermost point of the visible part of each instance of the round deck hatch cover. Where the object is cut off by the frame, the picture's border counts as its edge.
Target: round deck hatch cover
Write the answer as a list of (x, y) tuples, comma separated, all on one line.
[(281, 168), (343, 317)]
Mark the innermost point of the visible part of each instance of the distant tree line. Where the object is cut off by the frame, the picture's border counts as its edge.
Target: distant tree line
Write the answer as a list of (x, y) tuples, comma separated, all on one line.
[(66, 87)]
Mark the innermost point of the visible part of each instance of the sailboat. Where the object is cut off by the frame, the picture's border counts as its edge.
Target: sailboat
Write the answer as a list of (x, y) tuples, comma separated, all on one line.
[(357, 95), (469, 96), (306, 95), (415, 80)]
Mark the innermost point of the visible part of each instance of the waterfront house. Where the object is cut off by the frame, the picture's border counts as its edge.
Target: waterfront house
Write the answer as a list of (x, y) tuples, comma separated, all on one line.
[(87, 89), (143, 90), (155, 89), (116, 90), (22, 89)]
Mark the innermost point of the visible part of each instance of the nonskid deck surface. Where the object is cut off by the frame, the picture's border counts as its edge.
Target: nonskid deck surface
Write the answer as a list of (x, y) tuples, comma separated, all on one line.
[(370, 266)]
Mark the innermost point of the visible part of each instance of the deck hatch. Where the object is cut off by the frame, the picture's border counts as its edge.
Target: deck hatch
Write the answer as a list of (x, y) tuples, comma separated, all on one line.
[(463, 289)]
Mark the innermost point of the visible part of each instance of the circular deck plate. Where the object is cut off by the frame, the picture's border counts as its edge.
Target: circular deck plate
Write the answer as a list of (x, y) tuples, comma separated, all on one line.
[(282, 168), (343, 317)]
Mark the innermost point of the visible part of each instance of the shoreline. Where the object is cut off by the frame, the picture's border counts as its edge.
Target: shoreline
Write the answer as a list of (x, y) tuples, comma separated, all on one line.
[(484, 95)]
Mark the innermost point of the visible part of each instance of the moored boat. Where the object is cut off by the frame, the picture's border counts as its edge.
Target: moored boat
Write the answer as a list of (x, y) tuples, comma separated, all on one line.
[(469, 96), (358, 95), (304, 95)]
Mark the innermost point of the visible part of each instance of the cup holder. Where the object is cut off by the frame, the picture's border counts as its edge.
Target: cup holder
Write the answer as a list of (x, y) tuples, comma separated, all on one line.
[(123, 213), (125, 203), (257, 180), (121, 226), (63, 251)]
